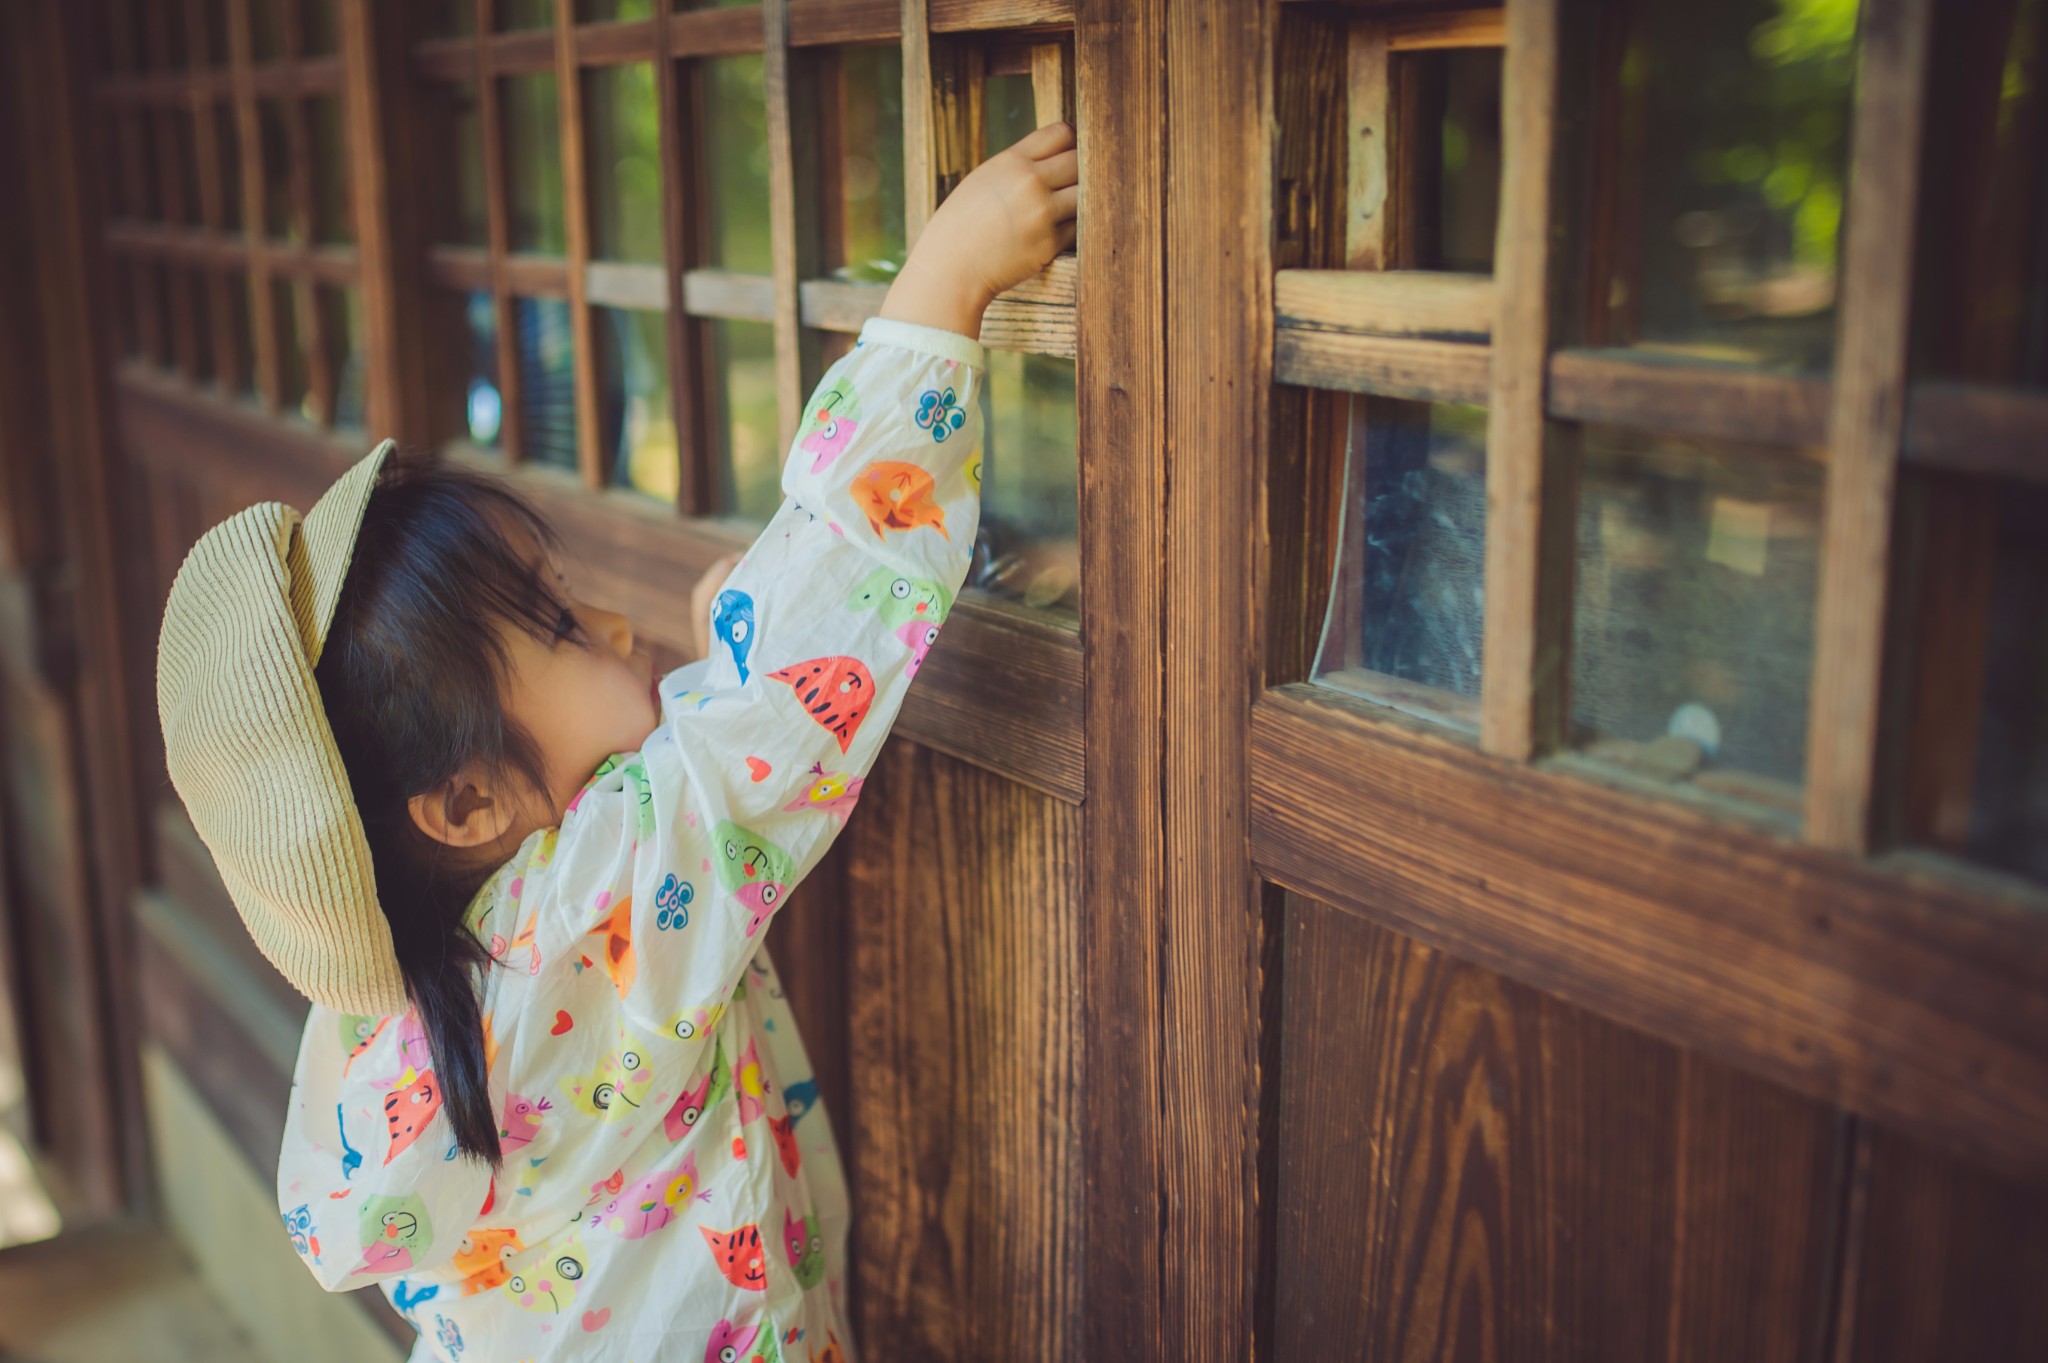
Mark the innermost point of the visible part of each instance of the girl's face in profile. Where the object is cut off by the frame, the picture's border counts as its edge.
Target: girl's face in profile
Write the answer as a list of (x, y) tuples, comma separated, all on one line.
[(583, 695)]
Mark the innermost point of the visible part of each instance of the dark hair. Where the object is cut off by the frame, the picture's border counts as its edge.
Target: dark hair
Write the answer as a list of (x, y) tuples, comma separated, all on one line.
[(412, 678)]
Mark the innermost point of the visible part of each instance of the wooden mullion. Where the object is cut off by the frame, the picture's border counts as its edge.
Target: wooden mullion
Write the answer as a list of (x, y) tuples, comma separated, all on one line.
[(171, 195), (792, 226), (1866, 425), (1369, 224), (682, 170), (1530, 516), (920, 197), (498, 232), (263, 322), (312, 318), (228, 361), (590, 457)]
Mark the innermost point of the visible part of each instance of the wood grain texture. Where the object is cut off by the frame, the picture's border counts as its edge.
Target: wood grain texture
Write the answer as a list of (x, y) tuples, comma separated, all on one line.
[(1710, 402), (1120, 87), (1531, 521), (1391, 366), (1471, 1169), (1387, 302), (1866, 423), (1219, 89), (964, 906), (1953, 1261), (1890, 990)]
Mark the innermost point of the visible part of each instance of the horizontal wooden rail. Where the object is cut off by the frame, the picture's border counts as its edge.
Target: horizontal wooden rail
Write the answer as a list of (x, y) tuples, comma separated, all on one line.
[(1400, 367), (201, 248), (1002, 689), (1386, 302), (1713, 402), (1968, 428), (272, 80), (1884, 987), (728, 32)]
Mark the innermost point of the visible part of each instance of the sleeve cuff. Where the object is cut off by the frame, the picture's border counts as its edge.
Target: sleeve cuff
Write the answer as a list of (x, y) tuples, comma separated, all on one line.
[(933, 341)]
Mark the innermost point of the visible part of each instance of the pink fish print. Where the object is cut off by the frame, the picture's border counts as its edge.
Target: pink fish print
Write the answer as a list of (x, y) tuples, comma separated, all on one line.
[(920, 635), (522, 1122)]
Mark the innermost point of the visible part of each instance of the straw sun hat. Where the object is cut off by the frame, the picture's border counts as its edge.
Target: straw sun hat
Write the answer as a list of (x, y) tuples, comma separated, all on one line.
[(249, 747)]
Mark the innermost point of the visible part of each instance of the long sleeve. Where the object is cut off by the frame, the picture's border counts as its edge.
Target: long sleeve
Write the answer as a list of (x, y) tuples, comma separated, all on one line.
[(819, 631)]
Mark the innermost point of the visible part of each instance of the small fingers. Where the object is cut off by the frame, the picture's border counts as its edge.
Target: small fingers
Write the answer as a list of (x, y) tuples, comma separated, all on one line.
[(1057, 172), (1050, 140), (1063, 237), (1066, 203)]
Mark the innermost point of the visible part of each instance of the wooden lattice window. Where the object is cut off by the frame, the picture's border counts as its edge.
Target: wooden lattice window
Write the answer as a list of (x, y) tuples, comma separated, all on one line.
[(1618, 489), (231, 215), (653, 228)]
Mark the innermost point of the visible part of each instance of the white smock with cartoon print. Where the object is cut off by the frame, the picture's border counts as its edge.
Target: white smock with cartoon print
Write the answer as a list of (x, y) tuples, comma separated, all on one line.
[(670, 1189)]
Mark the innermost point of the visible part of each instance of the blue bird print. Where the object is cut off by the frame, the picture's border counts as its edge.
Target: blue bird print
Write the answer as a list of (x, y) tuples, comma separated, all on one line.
[(351, 1158), (732, 620), (407, 1298), (799, 1098)]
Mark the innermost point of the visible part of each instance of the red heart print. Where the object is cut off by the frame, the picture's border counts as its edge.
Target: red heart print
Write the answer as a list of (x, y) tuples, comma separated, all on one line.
[(563, 1022), (593, 1321), (759, 768)]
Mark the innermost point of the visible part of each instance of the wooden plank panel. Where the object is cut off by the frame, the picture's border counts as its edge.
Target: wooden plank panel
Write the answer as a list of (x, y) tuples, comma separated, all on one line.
[(967, 16), (1886, 989), (1387, 302), (1967, 428), (1530, 517), (1470, 1169), (1120, 53), (1866, 423), (966, 1095), (1952, 1261)]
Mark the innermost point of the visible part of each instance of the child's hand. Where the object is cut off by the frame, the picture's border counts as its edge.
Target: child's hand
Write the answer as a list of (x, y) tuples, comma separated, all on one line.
[(1012, 214)]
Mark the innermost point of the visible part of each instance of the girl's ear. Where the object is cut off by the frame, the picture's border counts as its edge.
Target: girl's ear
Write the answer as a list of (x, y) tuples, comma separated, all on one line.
[(461, 814)]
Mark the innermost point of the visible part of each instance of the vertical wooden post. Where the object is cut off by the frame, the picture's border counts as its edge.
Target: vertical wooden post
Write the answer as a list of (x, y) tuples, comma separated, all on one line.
[(920, 197), (1866, 422), (1120, 81), (1529, 512), (498, 231), (1219, 74), (1369, 224), (1052, 83), (591, 462), (681, 201), (792, 226), (397, 401), (170, 177), (263, 319)]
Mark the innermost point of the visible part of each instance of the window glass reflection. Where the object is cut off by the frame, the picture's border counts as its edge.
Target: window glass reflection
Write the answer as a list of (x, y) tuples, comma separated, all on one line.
[(1407, 604), (1026, 548), (743, 418), (547, 381), (871, 239), (735, 143), (636, 418), (619, 113), (533, 163)]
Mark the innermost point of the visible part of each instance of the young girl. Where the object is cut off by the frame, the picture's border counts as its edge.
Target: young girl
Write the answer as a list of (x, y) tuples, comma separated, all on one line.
[(550, 1097)]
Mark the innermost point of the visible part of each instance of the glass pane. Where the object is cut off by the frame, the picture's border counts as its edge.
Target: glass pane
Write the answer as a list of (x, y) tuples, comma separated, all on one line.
[(547, 381), (736, 149), (1452, 177), (1407, 603), (1026, 548), (1728, 212), (291, 360), (533, 162), (237, 294), (1011, 113), (444, 18), (2007, 823), (598, 11), (636, 419), (475, 405), (318, 30), (186, 133), (1692, 631), (871, 164), (743, 358), (462, 219), (228, 156), (215, 17), (342, 310), (277, 173), (525, 14), (266, 31), (333, 215), (619, 114)]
